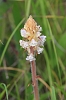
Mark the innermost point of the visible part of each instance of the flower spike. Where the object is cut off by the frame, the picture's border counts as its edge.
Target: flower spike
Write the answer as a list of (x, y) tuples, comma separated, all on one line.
[(31, 32)]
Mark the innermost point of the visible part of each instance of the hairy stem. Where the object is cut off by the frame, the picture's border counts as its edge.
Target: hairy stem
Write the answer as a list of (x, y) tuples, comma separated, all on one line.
[(34, 78)]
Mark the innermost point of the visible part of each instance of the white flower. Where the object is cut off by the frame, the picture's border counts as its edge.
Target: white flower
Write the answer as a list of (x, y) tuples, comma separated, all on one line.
[(30, 57), (43, 38), (33, 43), (39, 50), (24, 33), (23, 44), (38, 34), (33, 39), (41, 41)]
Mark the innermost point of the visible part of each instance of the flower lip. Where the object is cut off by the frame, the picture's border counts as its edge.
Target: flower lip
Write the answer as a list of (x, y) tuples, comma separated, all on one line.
[(39, 50), (30, 57), (33, 43)]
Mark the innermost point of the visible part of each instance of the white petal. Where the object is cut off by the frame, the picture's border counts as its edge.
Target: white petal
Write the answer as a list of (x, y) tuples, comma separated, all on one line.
[(23, 44), (33, 43), (39, 50), (23, 33), (26, 44), (38, 34), (20, 42), (30, 57)]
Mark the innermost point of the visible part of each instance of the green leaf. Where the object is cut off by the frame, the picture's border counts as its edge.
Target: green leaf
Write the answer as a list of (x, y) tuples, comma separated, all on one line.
[(3, 92), (53, 95), (61, 49)]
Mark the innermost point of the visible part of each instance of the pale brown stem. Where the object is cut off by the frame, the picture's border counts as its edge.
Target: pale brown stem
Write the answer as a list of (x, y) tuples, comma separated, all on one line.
[(34, 78)]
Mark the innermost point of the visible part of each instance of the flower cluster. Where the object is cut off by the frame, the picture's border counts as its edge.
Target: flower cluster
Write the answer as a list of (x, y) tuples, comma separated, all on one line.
[(33, 40)]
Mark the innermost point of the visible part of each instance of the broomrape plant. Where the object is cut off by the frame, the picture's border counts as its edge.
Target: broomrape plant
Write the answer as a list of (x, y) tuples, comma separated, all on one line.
[(33, 43)]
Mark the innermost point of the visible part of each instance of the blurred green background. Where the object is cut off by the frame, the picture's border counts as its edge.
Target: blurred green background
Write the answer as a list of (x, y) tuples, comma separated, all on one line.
[(15, 71)]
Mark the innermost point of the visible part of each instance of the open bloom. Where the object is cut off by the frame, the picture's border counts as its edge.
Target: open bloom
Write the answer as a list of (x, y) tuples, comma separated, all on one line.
[(30, 57), (33, 40)]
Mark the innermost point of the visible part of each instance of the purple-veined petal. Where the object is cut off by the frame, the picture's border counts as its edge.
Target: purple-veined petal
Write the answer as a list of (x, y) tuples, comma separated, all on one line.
[(43, 38)]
